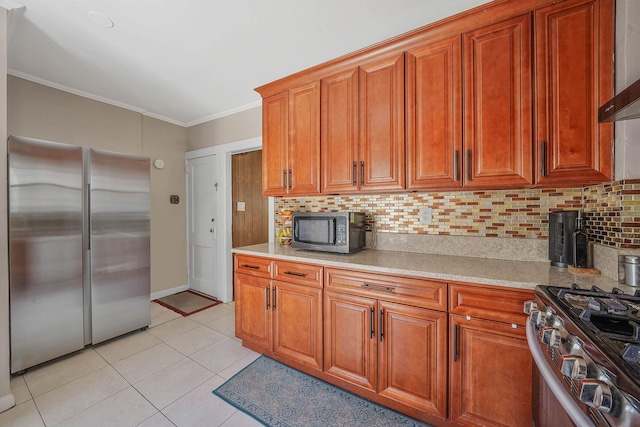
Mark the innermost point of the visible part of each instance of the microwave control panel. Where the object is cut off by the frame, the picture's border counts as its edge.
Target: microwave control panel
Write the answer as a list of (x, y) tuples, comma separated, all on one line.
[(341, 231)]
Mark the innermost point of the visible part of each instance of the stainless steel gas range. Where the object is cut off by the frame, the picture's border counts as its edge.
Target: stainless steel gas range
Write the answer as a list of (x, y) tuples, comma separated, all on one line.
[(586, 348)]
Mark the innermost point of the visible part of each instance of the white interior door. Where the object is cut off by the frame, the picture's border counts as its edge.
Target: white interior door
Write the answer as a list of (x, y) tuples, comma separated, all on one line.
[(204, 202)]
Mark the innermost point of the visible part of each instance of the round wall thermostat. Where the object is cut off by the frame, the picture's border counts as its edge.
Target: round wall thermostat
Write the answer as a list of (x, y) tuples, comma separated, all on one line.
[(159, 164)]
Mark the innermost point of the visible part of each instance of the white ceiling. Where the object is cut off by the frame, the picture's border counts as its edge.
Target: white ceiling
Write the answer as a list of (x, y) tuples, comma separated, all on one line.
[(191, 61)]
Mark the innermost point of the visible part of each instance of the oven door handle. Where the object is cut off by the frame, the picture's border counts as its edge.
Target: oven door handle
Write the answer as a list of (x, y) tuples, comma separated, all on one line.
[(564, 398)]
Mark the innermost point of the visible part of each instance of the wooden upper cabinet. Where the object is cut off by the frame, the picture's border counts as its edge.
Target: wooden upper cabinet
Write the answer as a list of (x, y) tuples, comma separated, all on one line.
[(339, 132), (381, 125), (434, 116), (275, 138), (291, 142), (304, 140), (498, 105), (574, 75)]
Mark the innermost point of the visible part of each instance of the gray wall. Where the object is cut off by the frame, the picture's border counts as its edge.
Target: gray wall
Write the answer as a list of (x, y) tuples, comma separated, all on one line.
[(236, 127), (6, 398)]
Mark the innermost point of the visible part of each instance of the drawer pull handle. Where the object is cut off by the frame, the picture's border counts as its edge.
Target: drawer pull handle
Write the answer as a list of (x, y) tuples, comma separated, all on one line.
[(293, 273), (253, 267), (377, 287)]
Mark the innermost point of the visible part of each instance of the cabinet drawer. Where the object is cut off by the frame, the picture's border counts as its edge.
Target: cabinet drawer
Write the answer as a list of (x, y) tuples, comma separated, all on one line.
[(492, 303), (255, 266), (293, 272), (404, 290)]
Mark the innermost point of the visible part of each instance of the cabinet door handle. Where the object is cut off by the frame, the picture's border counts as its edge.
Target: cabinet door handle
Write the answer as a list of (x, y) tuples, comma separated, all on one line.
[(468, 165), (381, 325), (355, 173), (377, 287), (361, 173), (289, 180), (543, 153), (266, 296), (456, 166), (293, 273), (253, 267), (273, 303), (284, 179), (371, 323), (455, 343)]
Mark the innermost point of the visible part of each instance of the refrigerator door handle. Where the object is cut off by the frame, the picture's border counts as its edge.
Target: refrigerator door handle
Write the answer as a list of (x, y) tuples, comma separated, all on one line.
[(88, 217)]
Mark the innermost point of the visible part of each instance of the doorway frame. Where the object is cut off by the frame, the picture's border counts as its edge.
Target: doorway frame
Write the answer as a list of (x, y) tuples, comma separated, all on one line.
[(223, 155)]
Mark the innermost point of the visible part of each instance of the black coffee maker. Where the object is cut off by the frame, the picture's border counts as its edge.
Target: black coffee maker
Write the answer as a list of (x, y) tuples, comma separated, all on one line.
[(562, 225)]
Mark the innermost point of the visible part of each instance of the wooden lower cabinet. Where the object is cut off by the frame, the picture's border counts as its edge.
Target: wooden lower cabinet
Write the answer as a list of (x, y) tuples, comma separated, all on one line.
[(279, 318), (297, 323), (449, 354), (490, 382), (396, 350)]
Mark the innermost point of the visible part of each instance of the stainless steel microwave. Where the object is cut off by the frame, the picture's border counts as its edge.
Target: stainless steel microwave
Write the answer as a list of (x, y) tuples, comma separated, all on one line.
[(341, 232)]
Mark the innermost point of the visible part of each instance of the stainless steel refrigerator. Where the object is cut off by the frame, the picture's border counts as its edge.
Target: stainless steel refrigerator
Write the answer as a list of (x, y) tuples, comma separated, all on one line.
[(78, 248)]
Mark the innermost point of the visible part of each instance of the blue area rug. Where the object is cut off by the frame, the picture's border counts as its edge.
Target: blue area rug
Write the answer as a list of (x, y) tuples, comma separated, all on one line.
[(277, 395)]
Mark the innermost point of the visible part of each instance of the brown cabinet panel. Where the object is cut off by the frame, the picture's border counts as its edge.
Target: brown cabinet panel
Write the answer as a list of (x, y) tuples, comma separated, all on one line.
[(275, 139), (574, 75), (252, 265), (498, 104), (434, 115), (304, 140), (339, 132), (298, 323), (295, 272), (405, 290), (350, 341), (499, 304), (253, 316), (490, 374), (412, 364), (382, 136)]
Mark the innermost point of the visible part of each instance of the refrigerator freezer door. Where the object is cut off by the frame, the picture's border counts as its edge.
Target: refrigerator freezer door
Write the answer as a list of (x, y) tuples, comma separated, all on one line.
[(45, 261), (119, 245)]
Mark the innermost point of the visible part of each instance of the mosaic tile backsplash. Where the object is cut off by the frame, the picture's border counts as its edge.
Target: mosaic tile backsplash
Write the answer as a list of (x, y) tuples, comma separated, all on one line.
[(612, 211)]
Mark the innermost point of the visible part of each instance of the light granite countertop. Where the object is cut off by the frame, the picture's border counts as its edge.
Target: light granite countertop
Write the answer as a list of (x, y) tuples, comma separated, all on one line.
[(514, 274)]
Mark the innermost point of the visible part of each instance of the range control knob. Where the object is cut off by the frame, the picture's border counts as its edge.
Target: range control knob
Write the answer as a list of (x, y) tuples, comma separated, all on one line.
[(574, 367), (538, 317), (596, 394), (529, 306), (551, 337)]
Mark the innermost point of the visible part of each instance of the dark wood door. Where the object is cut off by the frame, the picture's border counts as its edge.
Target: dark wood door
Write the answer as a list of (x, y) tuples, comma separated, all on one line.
[(250, 215), (297, 323), (339, 132), (304, 140), (350, 342), (490, 380), (275, 137), (381, 124), (434, 116), (574, 76), (412, 363), (498, 105), (253, 312)]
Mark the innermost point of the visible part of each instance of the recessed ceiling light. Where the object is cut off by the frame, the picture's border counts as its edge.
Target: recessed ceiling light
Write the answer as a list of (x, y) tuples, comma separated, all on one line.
[(101, 19)]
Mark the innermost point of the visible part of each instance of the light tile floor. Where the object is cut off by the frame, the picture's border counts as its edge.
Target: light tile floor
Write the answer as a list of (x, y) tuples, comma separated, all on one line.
[(160, 377)]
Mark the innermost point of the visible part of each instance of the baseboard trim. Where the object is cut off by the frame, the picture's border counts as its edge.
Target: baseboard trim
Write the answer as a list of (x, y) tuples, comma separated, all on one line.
[(169, 291), (7, 402)]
